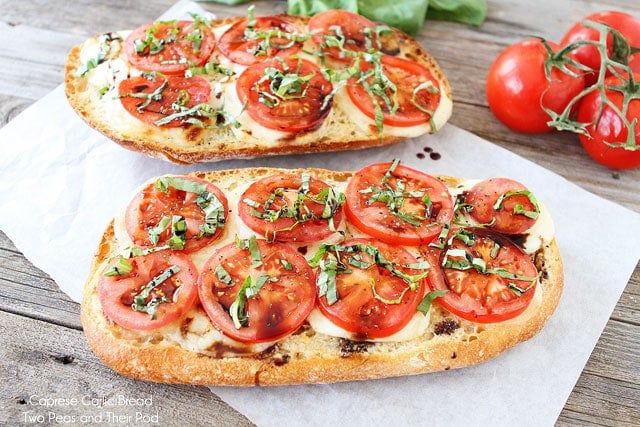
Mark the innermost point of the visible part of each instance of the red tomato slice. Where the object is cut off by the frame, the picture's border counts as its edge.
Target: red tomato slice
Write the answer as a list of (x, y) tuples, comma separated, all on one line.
[(299, 108), (117, 293), (426, 204), (136, 97), (280, 306), (417, 93), (267, 43), (483, 297), (280, 194), (509, 216), (357, 309), (170, 47), (352, 27), (147, 209)]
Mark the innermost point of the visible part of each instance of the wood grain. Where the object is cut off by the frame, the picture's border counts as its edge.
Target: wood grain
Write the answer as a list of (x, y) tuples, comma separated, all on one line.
[(42, 349)]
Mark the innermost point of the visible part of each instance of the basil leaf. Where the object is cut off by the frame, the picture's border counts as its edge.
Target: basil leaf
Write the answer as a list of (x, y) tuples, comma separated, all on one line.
[(140, 300), (120, 268), (425, 304), (471, 12), (407, 15), (250, 288)]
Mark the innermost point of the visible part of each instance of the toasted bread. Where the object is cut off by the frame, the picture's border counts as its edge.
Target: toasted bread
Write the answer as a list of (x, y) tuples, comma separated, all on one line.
[(185, 352), (244, 139)]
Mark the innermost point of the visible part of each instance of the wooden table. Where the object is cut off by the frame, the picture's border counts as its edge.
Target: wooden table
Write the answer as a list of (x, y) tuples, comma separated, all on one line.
[(43, 352)]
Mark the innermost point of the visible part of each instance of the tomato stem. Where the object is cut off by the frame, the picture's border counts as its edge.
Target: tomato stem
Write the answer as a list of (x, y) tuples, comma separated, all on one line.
[(616, 63)]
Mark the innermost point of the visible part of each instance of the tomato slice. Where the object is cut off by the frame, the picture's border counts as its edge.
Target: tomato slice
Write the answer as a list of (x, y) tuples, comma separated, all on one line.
[(488, 277), (170, 47), (408, 207), (291, 208), (270, 37), (352, 33), (414, 100), (271, 311), (162, 101), (166, 300), (147, 210), (372, 301), (288, 96), (503, 204)]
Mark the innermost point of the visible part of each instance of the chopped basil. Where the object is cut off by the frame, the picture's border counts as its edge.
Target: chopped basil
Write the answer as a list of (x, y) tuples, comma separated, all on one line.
[(328, 197), (105, 48), (285, 84), (120, 268), (223, 275), (140, 300), (465, 261), (267, 36), (326, 281), (394, 198), (210, 204), (156, 95), (329, 259), (439, 242), (425, 304), (250, 288), (286, 264), (251, 244), (518, 209), (467, 237), (218, 118)]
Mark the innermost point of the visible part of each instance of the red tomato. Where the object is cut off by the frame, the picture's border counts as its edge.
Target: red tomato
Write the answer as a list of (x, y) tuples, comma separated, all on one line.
[(178, 292), (408, 208), (291, 104), (136, 97), (589, 55), (170, 47), (278, 308), (607, 134), (517, 87), (268, 43), (285, 218), (414, 84), (147, 209), (488, 296), (353, 26), (357, 309), (511, 216)]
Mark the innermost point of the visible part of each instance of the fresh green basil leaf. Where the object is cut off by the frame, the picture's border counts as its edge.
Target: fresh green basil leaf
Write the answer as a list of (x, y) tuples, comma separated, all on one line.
[(406, 15), (425, 304), (471, 12)]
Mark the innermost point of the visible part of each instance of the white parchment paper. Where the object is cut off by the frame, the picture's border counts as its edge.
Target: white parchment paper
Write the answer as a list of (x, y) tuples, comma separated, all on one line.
[(62, 182)]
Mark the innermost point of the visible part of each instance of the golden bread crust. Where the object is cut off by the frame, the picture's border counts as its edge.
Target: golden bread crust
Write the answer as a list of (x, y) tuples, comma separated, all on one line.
[(308, 356)]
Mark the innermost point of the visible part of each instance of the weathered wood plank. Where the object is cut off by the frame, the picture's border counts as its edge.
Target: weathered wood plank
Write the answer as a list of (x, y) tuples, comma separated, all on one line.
[(49, 362)]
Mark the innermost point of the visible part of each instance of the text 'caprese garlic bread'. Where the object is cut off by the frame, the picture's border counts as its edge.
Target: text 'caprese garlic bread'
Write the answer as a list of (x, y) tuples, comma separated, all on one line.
[(196, 91), (270, 276)]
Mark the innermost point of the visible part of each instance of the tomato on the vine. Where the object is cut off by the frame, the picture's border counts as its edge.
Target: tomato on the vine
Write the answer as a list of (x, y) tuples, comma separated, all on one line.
[(518, 87), (607, 140), (588, 54)]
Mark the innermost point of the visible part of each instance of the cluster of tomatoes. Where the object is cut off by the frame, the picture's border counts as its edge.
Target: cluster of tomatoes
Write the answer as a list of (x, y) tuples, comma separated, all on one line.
[(589, 84)]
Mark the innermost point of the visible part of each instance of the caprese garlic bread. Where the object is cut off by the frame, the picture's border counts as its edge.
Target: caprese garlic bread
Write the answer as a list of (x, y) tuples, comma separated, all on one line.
[(200, 90), (270, 276)]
